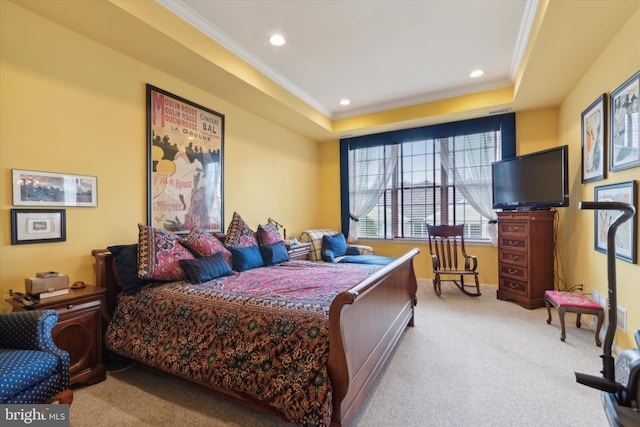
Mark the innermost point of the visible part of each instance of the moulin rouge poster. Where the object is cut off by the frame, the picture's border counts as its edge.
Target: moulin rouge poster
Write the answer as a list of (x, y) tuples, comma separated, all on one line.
[(185, 143)]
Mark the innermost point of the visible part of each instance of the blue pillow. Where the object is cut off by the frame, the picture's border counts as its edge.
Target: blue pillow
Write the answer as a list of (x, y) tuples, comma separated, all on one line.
[(201, 270), (333, 246), (274, 253), (125, 258), (246, 258)]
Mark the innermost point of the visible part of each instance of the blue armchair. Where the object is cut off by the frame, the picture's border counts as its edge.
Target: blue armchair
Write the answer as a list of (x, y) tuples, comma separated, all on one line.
[(32, 369)]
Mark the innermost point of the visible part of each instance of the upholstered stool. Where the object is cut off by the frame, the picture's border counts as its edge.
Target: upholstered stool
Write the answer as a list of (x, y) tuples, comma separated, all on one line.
[(574, 303)]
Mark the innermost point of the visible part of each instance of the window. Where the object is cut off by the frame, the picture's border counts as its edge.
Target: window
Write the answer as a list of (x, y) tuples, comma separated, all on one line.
[(399, 182)]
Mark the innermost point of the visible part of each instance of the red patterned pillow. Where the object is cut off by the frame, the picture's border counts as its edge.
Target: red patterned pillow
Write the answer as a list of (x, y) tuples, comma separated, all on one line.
[(204, 244), (159, 254), (239, 234), (268, 234)]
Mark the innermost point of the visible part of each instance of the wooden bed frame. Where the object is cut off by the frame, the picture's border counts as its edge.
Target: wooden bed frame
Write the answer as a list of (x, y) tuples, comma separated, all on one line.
[(365, 324)]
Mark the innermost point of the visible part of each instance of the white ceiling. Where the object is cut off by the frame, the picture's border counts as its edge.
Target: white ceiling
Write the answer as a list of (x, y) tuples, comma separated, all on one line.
[(380, 54)]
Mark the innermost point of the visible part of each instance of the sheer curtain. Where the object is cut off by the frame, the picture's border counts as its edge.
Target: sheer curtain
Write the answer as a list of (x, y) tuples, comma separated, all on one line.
[(370, 170), (471, 170)]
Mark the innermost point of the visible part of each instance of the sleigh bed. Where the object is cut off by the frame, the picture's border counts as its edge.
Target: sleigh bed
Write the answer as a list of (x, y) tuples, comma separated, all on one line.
[(303, 340)]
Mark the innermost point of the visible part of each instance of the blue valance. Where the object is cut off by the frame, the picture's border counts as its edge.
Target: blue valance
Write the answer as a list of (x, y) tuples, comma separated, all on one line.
[(506, 123)]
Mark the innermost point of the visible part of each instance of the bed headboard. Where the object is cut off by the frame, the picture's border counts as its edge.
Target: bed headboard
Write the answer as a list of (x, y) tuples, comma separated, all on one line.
[(106, 277)]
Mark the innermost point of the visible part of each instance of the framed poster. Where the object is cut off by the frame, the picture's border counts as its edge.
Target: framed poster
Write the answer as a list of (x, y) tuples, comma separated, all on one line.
[(626, 241), (33, 188), (38, 226), (624, 141), (185, 164), (594, 130)]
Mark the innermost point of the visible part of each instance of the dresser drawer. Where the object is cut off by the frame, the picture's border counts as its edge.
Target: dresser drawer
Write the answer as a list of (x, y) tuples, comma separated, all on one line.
[(70, 307), (513, 257), (513, 285), (514, 242), (513, 228), (514, 272)]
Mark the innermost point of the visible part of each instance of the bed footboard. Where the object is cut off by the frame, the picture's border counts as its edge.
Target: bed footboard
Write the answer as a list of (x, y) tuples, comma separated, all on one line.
[(365, 324)]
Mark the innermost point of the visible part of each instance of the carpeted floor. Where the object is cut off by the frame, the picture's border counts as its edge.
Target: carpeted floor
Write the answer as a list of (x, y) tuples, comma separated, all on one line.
[(467, 362)]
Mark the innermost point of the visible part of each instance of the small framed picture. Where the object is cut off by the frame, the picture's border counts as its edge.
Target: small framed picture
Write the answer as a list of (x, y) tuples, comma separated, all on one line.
[(625, 241), (594, 131), (33, 188), (624, 140), (38, 226)]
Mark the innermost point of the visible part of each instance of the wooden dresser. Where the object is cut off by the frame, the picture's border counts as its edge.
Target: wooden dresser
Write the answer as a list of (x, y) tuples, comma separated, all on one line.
[(525, 256)]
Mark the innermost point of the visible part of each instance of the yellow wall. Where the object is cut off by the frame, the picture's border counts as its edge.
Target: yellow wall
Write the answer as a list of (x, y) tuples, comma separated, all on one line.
[(535, 130), (71, 105), (583, 264)]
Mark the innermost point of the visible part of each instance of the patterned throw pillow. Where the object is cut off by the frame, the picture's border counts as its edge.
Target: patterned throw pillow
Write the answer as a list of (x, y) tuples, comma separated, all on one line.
[(268, 234), (239, 234), (202, 270), (159, 254), (204, 244)]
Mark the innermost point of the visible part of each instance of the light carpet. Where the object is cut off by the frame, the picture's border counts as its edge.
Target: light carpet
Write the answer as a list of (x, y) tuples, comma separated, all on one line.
[(467, 362)]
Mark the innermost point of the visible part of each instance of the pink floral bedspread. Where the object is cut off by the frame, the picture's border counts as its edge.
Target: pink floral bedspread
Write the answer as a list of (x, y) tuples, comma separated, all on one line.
[(262, 332)]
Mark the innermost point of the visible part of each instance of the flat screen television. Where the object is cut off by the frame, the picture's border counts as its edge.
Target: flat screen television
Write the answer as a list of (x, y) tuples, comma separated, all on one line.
[(532, 181)]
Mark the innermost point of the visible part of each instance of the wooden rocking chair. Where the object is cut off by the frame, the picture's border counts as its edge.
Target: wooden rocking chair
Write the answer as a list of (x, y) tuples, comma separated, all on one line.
[(446, 244)]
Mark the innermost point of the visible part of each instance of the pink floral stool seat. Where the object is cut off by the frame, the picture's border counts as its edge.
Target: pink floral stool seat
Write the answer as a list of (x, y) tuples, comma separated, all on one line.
[(574, 303)]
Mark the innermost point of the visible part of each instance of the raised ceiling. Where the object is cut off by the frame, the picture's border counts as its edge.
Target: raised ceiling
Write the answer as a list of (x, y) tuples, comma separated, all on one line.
[(378, 54), (402, 63)]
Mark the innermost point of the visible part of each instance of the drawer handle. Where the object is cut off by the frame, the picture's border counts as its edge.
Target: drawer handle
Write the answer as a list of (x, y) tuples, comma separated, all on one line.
[(70, 306), (513, 285), (514, 228), (513, 243), (512, 271), (514, 257)]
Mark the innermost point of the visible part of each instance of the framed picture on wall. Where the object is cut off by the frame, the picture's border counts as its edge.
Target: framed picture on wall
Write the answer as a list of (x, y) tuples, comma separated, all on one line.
[(624, 139), (626, 235), (35, 188), (38, 226), (185, 143), (594, 131)]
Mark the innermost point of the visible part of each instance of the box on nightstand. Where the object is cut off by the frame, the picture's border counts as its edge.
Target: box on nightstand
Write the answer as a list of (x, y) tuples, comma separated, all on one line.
[(38, 285)]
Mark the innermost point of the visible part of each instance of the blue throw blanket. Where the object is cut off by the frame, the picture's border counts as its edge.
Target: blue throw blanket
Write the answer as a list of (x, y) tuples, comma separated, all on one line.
[(367, 259)]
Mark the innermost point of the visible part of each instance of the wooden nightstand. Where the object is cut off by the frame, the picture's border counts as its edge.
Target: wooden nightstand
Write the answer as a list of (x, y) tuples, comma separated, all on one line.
[(299, 251), (78, 331)]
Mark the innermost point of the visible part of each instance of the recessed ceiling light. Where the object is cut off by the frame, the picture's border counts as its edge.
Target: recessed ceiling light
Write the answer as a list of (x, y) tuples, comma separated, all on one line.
[(345, 102), (277, 39), (476, 73)]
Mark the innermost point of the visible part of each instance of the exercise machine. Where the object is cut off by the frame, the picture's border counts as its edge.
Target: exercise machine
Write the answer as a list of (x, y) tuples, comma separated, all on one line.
[(620, 382)]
